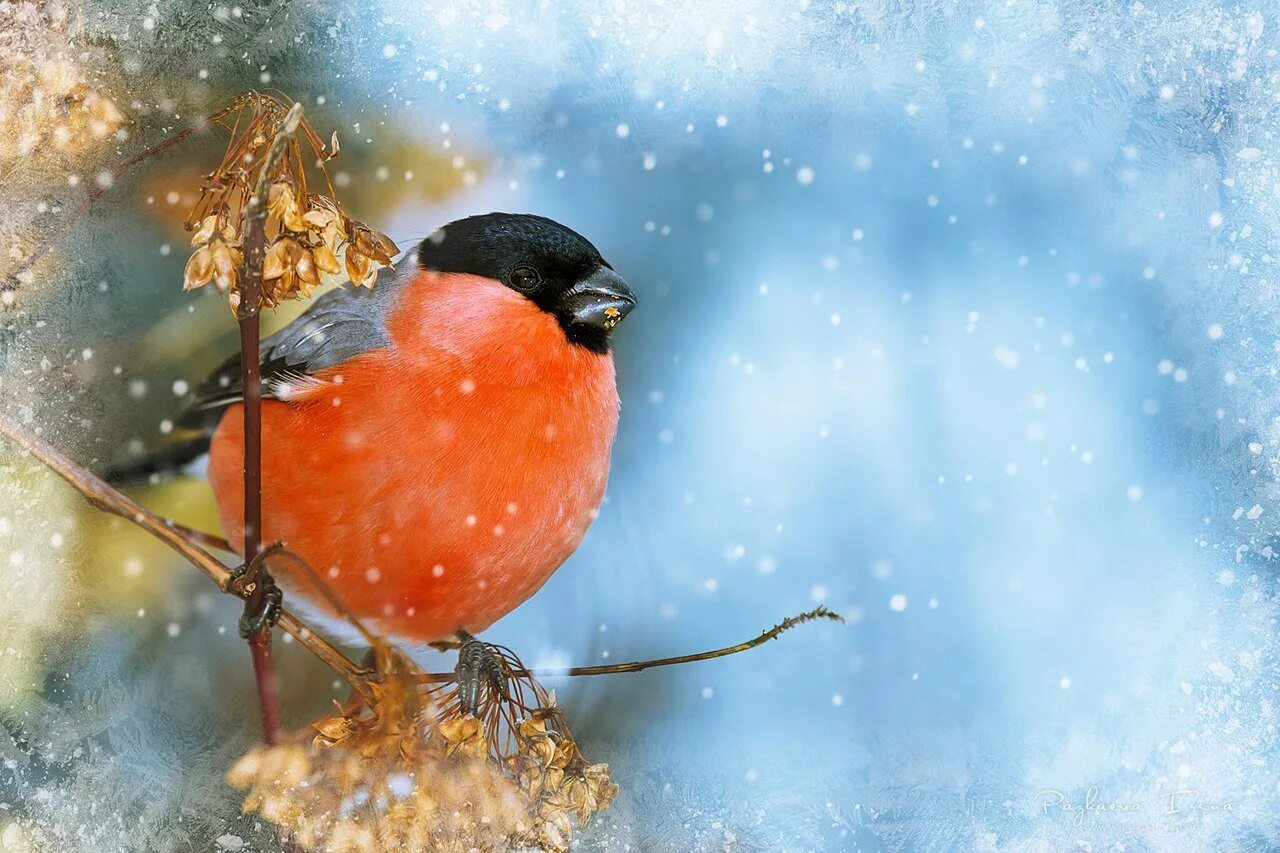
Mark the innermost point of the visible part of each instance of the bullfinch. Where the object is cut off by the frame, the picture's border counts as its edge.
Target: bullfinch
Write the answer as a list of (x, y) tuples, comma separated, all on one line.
[(436, 446)]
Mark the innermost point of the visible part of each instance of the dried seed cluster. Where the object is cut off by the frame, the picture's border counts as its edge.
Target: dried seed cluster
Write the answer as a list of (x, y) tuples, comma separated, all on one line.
[(310, 240), (549, 768), (368, 795), (399, 773), (49, 102), (217, 258)]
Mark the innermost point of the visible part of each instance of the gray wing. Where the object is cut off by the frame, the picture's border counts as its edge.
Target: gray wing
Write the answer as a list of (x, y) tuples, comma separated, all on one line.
[(340, 325)]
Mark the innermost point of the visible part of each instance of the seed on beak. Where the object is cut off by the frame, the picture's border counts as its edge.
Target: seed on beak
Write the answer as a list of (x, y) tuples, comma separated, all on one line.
[(612, 317)]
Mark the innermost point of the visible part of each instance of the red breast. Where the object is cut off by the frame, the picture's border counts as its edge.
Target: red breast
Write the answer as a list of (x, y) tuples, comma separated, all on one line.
[(437, 483)]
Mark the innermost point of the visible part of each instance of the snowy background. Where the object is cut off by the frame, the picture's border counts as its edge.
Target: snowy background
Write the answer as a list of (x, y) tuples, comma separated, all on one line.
[(957, 317)]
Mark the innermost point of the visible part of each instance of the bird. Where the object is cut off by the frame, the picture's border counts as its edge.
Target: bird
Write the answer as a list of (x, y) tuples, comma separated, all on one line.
[(433, 447)]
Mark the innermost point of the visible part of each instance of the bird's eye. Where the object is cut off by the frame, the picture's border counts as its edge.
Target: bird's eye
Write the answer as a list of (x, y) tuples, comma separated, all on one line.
[(525, 278)]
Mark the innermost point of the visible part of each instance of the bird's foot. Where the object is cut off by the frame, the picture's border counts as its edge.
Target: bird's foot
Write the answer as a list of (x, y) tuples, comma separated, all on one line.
[(481, 673), (264, 601)]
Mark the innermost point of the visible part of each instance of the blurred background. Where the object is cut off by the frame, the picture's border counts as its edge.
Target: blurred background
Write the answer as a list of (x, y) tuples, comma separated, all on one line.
[(956, 317)]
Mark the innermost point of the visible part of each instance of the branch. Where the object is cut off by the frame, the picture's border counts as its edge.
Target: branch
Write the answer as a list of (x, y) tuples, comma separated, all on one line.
[(641, 665), (101, 495), (250, 306), (772, 634), (255, 218), (204, 540)]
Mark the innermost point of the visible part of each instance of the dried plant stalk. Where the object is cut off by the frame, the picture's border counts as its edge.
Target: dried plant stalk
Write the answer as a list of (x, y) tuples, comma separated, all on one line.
[(309, 240), (247, 300), (256, 243)]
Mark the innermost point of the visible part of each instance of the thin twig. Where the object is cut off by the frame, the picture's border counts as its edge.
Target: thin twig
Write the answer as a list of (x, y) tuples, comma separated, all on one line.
[(326, 590), (203, 539), (101, 495), (641, 665), (773, 633)]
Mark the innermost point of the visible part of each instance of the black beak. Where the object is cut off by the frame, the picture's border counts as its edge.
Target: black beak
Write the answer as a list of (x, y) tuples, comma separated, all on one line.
[(597, 303)]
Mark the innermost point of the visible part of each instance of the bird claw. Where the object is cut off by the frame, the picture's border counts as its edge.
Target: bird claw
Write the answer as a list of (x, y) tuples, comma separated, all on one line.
[(480, 673), (272, 600)]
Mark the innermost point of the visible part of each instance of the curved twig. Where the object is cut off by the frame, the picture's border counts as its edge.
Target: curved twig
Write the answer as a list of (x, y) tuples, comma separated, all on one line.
[(108, 499), (641, 665)]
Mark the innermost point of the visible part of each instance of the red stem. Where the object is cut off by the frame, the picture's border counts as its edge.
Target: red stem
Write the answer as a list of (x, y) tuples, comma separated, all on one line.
[(251, 377), (247, 313), (259, 643), (264, 674)]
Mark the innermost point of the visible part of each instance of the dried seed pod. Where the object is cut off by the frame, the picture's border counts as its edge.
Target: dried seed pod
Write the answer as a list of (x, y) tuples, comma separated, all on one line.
[(204, 233), (326, 261), (321, 212), (464, 736), (49, 104), (313, 238), (406, 773), (367, 251), (371, 243), (360, 268), (282, 288), (274, 262), (199, 269), (308, 274), (226, 265), (282, 204), (280, 258)]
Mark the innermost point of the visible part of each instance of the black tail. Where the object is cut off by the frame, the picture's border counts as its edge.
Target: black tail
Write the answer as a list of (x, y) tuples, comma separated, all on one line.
[(158, 464)]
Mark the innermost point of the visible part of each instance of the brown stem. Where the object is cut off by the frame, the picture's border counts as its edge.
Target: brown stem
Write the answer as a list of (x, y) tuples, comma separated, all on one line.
[(247, 312), (203, 539), (101, 495), (326, 590), (641, 665), (264, 673), (773, 633), (251, 377)]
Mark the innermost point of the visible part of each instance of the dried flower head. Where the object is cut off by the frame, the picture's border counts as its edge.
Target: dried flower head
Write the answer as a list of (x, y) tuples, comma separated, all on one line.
[(217, 257), (399, 771), (549, 768), (310, 241), (47, 101)]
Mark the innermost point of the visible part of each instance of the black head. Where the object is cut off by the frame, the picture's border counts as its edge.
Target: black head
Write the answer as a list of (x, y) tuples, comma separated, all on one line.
[(553, 266)]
